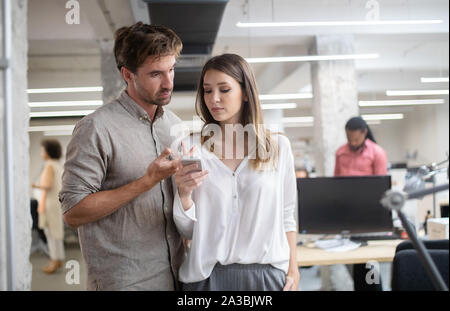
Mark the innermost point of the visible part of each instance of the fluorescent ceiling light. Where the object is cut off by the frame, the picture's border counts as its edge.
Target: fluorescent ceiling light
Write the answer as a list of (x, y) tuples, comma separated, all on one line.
[(373, 122), (279, 106), (66, 90), (58, 133), (298, 120), (285, 96), (373, 117), (367, 117), (48, 114), (66, 103), (298, 125), (309, 58), (376, 103), (339, 23), (48, 128), (433, 80), (417, 92)]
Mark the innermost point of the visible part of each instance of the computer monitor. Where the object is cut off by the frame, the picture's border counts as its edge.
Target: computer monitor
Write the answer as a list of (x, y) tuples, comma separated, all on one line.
[(332, 205)]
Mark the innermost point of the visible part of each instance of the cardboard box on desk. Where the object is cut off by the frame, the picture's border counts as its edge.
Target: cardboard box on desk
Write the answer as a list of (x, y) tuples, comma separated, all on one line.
[(437, 228)]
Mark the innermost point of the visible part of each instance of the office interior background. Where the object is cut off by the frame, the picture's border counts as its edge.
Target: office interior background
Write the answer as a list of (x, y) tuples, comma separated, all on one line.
[(394, 74)]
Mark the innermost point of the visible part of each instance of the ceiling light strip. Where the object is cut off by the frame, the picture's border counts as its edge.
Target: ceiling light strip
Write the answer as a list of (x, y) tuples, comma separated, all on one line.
[(49, 114), (66, 103), (310, 58), (338, 23), (433, 79), (416, 92), (367, 117), (66, 90), (379, 103), (285, 96), (48, 128), (377, 117), (279, 106)]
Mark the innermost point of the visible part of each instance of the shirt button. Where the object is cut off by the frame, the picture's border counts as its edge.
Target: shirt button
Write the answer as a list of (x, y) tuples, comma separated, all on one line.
[(235, 196), (169, 236)]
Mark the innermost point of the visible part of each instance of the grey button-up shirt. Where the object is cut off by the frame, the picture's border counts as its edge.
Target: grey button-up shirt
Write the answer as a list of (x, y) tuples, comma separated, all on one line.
[(137, 247)]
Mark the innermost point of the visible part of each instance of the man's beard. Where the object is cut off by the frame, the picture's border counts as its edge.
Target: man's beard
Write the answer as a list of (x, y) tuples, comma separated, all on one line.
[(357, 148), (148, 99)]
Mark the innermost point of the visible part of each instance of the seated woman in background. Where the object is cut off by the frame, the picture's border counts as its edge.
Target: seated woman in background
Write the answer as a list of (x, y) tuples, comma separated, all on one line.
[(238, 211), (49, 209)]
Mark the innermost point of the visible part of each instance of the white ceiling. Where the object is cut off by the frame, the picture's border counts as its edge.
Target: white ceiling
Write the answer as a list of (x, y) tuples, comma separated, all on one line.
[(63, 55)]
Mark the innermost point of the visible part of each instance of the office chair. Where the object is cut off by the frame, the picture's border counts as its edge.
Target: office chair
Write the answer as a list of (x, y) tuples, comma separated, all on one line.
[(430, 244), (408, 271)]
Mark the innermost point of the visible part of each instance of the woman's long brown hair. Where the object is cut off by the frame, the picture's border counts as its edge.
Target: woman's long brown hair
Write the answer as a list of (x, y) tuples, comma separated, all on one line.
[(251, 113)]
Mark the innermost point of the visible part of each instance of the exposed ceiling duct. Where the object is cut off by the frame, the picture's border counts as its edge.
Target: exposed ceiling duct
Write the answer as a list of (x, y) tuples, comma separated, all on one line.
[(197, 24)]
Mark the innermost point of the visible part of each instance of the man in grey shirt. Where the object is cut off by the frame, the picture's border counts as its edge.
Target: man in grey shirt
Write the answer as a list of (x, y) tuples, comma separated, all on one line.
[(116, 186)]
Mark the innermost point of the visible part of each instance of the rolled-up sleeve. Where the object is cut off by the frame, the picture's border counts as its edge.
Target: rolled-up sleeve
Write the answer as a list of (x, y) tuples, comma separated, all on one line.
[(184, 220), (290, 189), (86, 163)]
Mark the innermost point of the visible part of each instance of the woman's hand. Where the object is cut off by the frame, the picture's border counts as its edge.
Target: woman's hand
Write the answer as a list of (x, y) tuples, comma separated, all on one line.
[(292, 280), (187, 180)]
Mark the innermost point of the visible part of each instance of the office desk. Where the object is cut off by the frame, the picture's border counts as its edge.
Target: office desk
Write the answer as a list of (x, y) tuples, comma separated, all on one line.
[(381, 251)]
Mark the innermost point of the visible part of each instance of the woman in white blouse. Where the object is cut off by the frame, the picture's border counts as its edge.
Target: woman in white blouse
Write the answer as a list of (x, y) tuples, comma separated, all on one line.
[(238, 211)]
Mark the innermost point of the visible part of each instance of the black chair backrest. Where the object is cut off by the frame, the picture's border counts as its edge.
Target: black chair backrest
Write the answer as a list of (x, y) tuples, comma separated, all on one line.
[(429, 244), (409, 273)]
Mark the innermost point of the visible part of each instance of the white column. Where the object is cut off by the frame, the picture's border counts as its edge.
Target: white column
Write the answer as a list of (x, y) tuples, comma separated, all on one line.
[(335, 98), (21, 183), (335, 101)]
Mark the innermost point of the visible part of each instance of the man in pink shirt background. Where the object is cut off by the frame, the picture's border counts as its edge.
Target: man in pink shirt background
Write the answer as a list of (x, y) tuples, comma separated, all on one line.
[(361, 156)]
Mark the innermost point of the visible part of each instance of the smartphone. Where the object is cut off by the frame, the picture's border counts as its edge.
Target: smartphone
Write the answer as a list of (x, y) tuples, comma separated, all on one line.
[(190, 161)]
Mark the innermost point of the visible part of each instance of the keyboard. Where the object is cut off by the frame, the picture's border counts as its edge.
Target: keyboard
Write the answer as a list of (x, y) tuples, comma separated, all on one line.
[(375, 236)]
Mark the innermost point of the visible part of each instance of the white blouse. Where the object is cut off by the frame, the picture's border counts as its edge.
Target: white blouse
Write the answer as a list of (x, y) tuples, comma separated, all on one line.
[(238, 217)]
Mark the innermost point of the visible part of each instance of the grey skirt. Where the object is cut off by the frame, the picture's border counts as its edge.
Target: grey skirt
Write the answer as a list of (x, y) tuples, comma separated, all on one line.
[(240, 277)]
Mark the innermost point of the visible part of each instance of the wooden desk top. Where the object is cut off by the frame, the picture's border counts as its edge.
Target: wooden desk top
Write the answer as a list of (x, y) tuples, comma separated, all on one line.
[(381, 251)]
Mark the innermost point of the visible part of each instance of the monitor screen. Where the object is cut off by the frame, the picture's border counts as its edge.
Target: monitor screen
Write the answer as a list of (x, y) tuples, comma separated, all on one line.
[(332, 205)]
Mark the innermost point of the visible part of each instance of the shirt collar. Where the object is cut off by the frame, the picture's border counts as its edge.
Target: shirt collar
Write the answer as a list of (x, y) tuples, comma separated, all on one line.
[(135, 110), (359, 151)]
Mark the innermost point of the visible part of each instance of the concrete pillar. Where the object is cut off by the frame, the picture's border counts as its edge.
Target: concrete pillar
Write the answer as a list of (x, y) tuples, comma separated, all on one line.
[(112, 80), (335, 98), (20, 122), (335, 101)]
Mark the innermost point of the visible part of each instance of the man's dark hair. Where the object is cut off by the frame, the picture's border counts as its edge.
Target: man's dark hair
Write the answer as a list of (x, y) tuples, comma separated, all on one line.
[(135, 43), (358, 123), (53, 148)]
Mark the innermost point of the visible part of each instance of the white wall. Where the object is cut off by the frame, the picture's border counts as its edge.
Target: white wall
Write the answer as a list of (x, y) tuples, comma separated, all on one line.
[(425, 129)]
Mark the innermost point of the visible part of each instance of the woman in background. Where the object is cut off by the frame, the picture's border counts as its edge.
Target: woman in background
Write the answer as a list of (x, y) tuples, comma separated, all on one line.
[(50, 214)]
